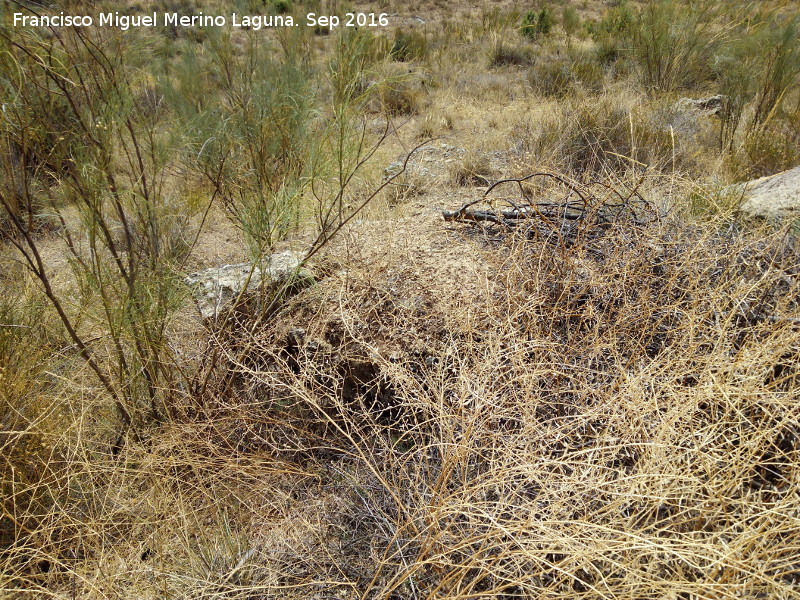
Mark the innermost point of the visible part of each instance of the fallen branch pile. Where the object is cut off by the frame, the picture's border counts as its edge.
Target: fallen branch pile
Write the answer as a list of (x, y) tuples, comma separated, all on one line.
[(584, 208)]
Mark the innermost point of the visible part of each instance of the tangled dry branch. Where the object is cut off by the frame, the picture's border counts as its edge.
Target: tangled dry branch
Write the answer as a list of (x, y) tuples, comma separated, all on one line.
[(583, 207)]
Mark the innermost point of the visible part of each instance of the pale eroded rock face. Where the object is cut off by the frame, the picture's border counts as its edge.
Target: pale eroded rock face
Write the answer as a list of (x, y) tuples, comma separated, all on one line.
[(689, 117), (776, 196), (713, 105), (215, 288)]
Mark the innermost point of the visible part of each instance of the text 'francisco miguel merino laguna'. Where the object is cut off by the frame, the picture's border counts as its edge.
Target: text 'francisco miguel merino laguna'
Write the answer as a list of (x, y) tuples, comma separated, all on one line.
[(255, 22)]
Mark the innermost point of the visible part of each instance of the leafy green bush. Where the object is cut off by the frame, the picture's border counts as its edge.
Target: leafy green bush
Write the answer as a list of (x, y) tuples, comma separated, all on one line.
[(536, 24), (546, 21)]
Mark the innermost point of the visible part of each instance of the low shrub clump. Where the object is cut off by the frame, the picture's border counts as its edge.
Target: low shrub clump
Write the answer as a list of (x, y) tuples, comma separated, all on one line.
[(537, 24), (408, 46), (612, 415), (582, 383)]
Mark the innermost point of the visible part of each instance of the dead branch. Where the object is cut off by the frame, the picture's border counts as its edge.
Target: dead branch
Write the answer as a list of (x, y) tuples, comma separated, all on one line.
[(564, 217)]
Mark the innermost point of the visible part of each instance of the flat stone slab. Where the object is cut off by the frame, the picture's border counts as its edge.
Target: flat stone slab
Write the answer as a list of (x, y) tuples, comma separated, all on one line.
[(713, 105), (216, 288), (775, 196)]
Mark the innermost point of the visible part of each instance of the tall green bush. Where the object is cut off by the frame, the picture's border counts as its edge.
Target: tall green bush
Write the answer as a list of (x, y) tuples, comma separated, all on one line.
[(537, 24), (758, 72), (253, 144), (673, 43), (109, 161)]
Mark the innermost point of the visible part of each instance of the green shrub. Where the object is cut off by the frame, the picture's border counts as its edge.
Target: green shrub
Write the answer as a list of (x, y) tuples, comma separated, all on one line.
[(673, 44), (131, 233), (529, 25), (536, 24), (546, 21), (263, 129), (357, 50)]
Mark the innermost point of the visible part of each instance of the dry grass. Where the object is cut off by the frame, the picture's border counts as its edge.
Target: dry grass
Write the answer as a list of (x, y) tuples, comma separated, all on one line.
[(613, 419), (565, 410), (473, 169), (610, 418)]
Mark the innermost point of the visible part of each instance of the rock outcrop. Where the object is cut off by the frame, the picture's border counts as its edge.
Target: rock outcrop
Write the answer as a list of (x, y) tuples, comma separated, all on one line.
[(776, 196), (690, 117), (216, 288), (713, 105)]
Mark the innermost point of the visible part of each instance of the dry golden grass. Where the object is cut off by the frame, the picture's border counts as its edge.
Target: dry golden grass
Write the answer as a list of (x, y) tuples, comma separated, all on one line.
[(608, 418), (567, 410)]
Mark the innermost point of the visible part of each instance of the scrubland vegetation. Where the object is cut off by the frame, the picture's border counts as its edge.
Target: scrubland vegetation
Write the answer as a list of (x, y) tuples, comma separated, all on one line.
[(598, 400)]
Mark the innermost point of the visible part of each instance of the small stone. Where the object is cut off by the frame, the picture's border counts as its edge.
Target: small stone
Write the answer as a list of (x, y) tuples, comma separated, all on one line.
[(215, 288), (393, 169), (713, 105)]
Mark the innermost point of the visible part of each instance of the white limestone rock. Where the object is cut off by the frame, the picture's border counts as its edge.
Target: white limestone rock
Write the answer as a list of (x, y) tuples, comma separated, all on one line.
[(215, 288), (775, 196)]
